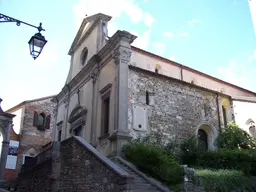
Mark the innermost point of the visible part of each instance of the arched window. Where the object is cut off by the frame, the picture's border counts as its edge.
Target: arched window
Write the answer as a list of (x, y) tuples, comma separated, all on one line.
[(40, 120), (84, 55), (224, 113), (203, 139)]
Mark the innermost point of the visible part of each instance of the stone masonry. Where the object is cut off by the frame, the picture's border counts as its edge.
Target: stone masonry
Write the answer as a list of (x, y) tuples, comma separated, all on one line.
[(30, 135), (175, 109), (82, 168)]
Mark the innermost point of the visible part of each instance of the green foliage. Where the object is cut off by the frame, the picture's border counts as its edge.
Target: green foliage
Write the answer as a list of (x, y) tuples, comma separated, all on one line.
[(222, 180), (190, 151), (152, 160), (244, 160), (233, 138)]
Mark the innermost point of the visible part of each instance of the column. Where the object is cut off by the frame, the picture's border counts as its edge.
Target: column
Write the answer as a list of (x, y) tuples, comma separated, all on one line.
[(4, 153)]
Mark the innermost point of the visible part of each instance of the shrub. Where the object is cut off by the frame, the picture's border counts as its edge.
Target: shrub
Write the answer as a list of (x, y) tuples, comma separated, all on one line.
[(155, 162), (233, 138), (190, 151), (222, 180), (244, 160)]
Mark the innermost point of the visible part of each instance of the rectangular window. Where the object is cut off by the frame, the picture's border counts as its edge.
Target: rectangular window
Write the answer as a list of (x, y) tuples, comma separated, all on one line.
[(105, 115), (224, 116), (59, 135), (147, 98)]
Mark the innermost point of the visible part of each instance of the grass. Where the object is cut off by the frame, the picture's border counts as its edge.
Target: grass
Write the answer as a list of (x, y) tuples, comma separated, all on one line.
[(222, 180)]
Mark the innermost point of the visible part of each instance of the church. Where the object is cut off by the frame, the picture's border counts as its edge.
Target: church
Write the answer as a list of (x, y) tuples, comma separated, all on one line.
[(115, 92)]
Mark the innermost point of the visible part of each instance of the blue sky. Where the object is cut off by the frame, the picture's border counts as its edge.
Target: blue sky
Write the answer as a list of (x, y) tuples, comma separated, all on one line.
[(215, 37)]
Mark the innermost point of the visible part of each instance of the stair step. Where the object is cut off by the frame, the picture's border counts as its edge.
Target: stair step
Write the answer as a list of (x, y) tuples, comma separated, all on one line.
[(138, 184)]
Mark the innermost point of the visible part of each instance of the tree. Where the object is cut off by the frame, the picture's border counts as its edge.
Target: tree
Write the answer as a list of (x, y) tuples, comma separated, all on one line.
[(235, 138)]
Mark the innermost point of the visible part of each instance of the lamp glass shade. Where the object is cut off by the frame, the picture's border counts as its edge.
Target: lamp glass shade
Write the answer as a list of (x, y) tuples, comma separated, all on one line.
[(36, 45)]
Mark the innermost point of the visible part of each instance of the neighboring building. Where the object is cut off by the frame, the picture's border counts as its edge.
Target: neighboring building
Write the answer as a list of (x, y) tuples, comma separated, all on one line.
[(115, 91), (30, 133), (245, 113)]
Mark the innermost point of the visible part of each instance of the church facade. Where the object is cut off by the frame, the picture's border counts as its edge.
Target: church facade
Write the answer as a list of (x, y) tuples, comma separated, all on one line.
[(115, 92)]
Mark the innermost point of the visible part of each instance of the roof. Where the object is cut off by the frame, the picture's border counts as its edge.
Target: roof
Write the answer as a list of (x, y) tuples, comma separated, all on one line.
[(245, 99), (29, 101), (190, 69)]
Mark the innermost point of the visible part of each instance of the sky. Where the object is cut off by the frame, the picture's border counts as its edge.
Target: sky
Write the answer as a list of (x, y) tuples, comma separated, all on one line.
[(216, 37)]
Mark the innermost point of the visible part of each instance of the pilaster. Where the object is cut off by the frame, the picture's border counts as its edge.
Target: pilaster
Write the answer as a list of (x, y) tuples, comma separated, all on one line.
[(122, 55)]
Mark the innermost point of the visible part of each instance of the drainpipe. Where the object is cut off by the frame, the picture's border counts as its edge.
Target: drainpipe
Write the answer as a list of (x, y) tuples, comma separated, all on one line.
[(218, 110), (181, 73)]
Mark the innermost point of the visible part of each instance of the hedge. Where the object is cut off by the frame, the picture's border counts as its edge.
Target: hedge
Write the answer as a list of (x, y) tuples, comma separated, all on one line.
[(155, 162)]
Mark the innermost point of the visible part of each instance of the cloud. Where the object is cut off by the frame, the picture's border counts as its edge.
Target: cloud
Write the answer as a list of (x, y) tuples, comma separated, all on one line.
[(159, 47), (168, 34), (142, 41), (234, 73), (148, 19), (113, 8)]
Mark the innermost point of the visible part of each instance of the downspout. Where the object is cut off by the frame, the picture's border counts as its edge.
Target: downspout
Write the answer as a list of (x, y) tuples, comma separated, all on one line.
[(218, 110), (181, 73)]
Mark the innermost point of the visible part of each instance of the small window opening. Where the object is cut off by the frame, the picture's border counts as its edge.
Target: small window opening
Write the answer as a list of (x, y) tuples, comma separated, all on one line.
[(78, 131), (224, 116), (105, 116), (147, 98), (59, 135), (84, 55)]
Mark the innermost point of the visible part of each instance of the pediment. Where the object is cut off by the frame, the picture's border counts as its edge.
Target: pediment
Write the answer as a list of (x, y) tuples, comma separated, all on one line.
[(77, 113), (86, 27)]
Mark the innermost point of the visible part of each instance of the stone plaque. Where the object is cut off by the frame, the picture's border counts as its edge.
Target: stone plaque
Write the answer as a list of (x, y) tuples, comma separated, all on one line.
[(139, 118)]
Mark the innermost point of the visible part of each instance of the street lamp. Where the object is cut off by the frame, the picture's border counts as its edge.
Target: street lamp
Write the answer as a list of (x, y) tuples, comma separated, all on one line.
[(36, 43)]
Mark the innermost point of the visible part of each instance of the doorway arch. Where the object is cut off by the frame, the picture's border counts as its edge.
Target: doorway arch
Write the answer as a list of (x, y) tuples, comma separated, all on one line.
[(207, 134)]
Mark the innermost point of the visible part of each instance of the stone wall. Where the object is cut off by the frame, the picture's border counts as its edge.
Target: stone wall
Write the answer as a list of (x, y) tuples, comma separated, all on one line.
[(175, 108), (38, 178), (30, 134), (81, 168), (84, 169)]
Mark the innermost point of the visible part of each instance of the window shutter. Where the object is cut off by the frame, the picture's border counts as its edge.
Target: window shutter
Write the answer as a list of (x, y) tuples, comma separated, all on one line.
[(35, 119), (48, 122)]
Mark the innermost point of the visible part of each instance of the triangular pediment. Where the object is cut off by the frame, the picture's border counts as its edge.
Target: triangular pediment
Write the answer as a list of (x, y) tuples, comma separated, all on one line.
[(86, 27)]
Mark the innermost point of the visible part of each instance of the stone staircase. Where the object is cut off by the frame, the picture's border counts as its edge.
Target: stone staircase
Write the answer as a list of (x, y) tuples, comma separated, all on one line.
[(141, 182)]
